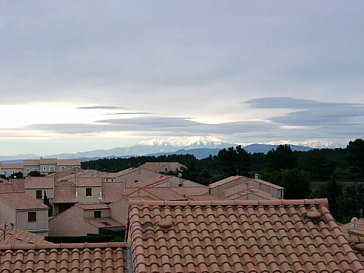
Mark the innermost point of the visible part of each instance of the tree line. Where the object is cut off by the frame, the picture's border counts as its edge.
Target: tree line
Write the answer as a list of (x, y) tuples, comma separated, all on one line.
[(339, 170)]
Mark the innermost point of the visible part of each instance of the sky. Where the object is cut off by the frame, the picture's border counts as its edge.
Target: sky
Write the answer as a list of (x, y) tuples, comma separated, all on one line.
[(85, 75)]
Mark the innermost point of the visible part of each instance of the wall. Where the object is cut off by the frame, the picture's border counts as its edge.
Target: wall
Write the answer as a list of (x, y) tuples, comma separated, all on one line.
[(119, 211), (40, 226), (70, 223), (82, 198), (7, 213)]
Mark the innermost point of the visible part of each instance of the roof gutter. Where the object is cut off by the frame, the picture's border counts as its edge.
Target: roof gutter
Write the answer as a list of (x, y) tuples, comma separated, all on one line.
[(129, 262)]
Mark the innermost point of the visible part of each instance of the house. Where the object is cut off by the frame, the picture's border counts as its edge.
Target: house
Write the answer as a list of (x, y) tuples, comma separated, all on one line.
[(241, 187), (49, 165), (167, 181), (237, 236), (39, 187), (76, 258), (64, 196), (163, 167), (84, 219), (24, 212), (130, 176), (8, 169)]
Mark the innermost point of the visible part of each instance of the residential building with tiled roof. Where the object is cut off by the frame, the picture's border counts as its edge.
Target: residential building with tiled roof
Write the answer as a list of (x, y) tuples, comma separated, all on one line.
[(39, 187), (73, 258), (163, 167), (8, 169), (24, 212), (233, 185), (237, 236), (130, 176), (84, 219)]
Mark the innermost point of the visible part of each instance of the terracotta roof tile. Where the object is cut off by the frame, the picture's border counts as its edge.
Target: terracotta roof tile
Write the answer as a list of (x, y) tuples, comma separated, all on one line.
[(87, 257), (92, 206), (39, 183), (237, 236), (15, 236), (21, 201)]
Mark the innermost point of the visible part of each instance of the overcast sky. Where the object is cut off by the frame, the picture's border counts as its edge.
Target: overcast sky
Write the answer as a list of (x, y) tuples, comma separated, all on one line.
[(85, 75)]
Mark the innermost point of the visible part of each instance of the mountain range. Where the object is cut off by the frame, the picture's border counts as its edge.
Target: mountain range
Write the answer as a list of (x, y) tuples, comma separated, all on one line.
[(200, 147)]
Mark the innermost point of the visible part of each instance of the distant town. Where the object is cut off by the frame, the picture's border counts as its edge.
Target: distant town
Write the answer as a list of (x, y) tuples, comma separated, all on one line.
[(157, 208)]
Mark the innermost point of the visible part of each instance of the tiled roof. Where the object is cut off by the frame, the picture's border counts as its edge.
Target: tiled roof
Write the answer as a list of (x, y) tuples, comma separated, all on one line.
[(72, 258), (103, 222), (39, 183), (154, 181), (88, 181), (121, 173), (11, 165), (238, 236), (165, 193), (14, 185), (21, 201), (243, 179), (153, 166), (15, 237), (31, 162), (48, 161), (68, 162), (355, 235), (250, 194)]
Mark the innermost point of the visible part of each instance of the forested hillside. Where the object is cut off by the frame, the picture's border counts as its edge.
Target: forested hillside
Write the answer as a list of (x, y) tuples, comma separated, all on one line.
[(340, 170)]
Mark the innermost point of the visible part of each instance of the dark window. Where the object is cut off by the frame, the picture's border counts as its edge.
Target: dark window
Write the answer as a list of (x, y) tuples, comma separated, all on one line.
[(88, 191), (32, 216), (38, 194), (97, 214)]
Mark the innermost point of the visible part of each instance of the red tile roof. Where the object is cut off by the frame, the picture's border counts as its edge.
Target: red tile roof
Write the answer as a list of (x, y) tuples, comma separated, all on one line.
[(11, 165), (243, 179), (355, 235), (154, 166), (18, 237), (250, 194), (88, 181), (14, 185), (68, 162), (21, 201), (238, 236), (85, 257), (39, 183)]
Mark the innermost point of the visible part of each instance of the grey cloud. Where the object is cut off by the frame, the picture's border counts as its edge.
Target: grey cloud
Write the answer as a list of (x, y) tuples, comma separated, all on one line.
[(102, 107), (164, 125), (293, 103), (128, 113)]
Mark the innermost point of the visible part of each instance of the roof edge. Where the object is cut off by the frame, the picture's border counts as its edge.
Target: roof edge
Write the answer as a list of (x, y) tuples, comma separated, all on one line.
[(62, 246), (276, 202)]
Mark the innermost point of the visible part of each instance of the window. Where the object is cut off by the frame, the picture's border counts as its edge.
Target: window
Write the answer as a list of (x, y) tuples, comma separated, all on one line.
[(32, 216), (38, 194), (97, 214), (88, 191), (136, 181)]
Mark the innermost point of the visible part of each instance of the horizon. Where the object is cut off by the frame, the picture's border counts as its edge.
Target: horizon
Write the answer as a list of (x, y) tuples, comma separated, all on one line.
[(79, 77)]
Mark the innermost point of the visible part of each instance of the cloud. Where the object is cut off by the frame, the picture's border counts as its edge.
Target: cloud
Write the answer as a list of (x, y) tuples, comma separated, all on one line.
[(161, 125), (128, 113), (311, 112), (102, 107)]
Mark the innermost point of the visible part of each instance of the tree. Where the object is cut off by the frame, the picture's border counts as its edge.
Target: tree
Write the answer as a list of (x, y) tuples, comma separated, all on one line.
[(35, 174), (355, 151), (17, 175), (282, 158), (234, 161), (47, 203)]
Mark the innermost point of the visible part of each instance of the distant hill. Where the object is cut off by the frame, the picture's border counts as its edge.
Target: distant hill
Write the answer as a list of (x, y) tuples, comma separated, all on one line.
[(265, 148), (200, 149)]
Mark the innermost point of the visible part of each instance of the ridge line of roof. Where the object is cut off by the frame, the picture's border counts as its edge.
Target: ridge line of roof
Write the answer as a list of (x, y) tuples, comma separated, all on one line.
[(276, 202), (4, 247)]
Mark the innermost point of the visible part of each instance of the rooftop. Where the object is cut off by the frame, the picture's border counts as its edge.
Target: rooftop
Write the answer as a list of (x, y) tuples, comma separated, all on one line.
[(18, 237), (238, 236), (84, 257), (39, 183), (21, 201)]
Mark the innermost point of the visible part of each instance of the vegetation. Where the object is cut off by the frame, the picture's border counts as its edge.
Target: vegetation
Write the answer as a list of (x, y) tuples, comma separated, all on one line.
[(340, 170)]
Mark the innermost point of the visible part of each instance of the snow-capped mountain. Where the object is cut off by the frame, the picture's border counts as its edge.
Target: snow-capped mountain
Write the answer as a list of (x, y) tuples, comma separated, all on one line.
[(184, 142)]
